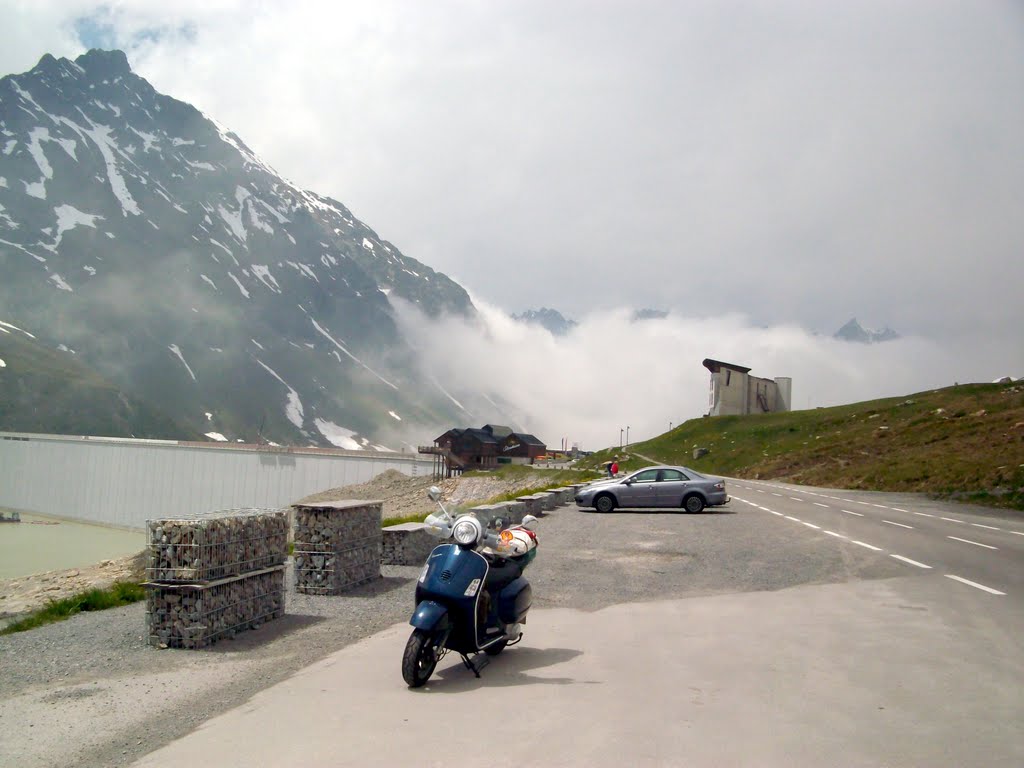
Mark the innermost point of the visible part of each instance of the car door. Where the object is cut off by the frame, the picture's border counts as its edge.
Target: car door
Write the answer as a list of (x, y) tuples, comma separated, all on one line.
[(640, 490), (671, 488)]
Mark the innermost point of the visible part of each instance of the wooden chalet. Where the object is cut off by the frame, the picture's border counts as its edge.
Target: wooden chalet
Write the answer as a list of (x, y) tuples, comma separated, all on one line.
[(485, 448)]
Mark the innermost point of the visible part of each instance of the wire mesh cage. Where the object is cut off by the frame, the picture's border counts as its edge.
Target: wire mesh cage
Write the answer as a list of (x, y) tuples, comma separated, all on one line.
[(197, 615), (214, 545)]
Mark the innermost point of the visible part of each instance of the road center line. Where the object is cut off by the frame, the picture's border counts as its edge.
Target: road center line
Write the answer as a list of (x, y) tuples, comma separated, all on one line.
[(1017, 533), (779, 514), (897, 509), (975, 543), (865, 503), (975, 585), (990, 527), (837, 535), (819, 504), (869, 546), (777, 494), (951, 519), (923, 514), (880, 506), (794, 519), (858, 514), (912, 562), (901, 525), (794, 498), (812, 525)]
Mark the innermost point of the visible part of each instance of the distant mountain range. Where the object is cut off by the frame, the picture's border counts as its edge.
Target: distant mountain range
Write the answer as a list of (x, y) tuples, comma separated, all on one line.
[(154, 259), (853, 331), (551, 319)]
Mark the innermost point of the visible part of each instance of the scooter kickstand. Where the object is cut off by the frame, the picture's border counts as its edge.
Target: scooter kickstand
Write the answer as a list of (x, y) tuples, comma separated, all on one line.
[(475, 666)]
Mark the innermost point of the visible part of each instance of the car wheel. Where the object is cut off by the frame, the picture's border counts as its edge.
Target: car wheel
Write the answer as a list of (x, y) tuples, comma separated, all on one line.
[(693, 503), (604, 503)]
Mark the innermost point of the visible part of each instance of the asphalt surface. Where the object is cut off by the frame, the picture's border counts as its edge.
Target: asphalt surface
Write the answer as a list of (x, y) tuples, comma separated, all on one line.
[(795, 626)]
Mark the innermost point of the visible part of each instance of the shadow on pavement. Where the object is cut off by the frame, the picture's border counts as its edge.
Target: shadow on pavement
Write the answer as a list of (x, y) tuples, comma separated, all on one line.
[(510, 668)]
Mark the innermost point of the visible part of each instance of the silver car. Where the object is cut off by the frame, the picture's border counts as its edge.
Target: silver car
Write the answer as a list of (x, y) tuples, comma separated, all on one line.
[(661, 486)]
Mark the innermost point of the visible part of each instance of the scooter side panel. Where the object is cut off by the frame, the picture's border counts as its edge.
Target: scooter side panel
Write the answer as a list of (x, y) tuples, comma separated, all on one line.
[(514, 601)]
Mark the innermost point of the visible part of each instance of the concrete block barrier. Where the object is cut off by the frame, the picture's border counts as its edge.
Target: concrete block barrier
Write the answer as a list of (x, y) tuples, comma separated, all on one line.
[(407, 544)]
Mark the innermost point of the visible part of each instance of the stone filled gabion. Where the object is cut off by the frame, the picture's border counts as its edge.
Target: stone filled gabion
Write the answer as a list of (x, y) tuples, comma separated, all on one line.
[(216, 544), (196, 615), (337, 545)]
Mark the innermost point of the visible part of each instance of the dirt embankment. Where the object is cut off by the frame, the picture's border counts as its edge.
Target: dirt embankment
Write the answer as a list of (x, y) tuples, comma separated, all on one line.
[(402, 495)]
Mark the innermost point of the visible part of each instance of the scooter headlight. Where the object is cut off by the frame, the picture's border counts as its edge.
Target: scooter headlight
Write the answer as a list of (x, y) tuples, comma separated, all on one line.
[(467, 531)]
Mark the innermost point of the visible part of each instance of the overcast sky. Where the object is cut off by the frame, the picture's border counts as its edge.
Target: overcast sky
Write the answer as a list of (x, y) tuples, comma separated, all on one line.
[(755, 165)]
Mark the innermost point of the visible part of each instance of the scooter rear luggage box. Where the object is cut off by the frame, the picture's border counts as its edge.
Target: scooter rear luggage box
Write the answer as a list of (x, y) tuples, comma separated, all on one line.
[(514, 601)]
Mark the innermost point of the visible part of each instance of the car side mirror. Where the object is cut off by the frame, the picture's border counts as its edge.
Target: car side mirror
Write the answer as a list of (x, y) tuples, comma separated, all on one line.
[(528, 520), (434, 493), (628, 481)]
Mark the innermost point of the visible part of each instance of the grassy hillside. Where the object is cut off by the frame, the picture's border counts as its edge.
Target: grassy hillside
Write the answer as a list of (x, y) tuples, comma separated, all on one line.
[(965, 442), (46, 391)]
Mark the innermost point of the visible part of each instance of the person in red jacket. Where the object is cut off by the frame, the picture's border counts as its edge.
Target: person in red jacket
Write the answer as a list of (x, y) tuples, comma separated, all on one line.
[(613, 470)]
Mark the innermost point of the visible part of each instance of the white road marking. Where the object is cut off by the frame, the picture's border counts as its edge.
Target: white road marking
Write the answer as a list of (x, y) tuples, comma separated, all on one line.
[(880, 506), (901, 525), (794, 519), (777, 494), (869, 546), (897, 509), (837, 535), (819, 504), (990, 527), (858, 514), (912, 562), (812, 525), (777, 514), (951, 519), (975, 585), (794, 498), (865, 503), (923, 514), (1017, 533), (975, 543)]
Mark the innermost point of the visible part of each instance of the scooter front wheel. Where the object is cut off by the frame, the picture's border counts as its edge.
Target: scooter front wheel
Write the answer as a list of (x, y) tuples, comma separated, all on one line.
[(420, 657)]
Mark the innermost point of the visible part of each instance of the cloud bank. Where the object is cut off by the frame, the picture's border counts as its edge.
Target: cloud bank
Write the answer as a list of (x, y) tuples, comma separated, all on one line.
[(611, 372)]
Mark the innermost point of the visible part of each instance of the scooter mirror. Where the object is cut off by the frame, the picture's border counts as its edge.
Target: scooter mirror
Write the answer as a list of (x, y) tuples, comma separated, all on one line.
[(434, 493), (529, 520)]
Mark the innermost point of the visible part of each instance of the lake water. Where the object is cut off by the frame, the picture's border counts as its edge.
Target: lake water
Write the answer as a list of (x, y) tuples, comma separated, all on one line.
[(33, 546)]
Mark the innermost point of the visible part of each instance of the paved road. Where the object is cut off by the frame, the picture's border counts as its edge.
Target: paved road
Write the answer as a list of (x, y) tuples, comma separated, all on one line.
[(780, 630)]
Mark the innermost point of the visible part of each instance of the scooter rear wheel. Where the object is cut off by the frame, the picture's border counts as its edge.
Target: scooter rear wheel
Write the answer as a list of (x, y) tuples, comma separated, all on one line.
[(420, 658)]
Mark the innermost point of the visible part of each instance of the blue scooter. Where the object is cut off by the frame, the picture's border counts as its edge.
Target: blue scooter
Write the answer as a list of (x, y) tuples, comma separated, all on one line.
[(471, 596)]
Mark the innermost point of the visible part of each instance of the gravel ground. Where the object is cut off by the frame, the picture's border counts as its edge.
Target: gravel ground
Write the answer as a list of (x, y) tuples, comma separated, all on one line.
[(89, 692)]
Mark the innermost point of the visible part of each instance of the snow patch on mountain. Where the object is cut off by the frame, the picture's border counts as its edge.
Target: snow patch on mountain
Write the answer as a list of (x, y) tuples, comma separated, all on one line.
[(293, 406), (60, 283), (69, 217), (240, 286), (177, 353), (339, 436)]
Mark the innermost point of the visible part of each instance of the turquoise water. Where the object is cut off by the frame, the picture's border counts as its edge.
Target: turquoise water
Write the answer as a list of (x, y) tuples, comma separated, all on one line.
[(35, 545)]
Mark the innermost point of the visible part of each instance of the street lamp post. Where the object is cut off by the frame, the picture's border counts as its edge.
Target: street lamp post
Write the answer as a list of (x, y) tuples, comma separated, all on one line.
[(627, 435), (620, 438)]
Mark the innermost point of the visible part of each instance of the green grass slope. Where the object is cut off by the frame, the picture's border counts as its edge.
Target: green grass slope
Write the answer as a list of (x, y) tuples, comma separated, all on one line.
[(963, 442), (50, 392)]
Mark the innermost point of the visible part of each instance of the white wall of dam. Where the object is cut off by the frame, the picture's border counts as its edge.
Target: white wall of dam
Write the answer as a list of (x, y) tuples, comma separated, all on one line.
[(127, 482)]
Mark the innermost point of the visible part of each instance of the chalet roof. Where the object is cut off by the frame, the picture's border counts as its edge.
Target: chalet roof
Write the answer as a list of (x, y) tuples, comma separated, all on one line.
[(498, 430), (716, 365), (528, 439)]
